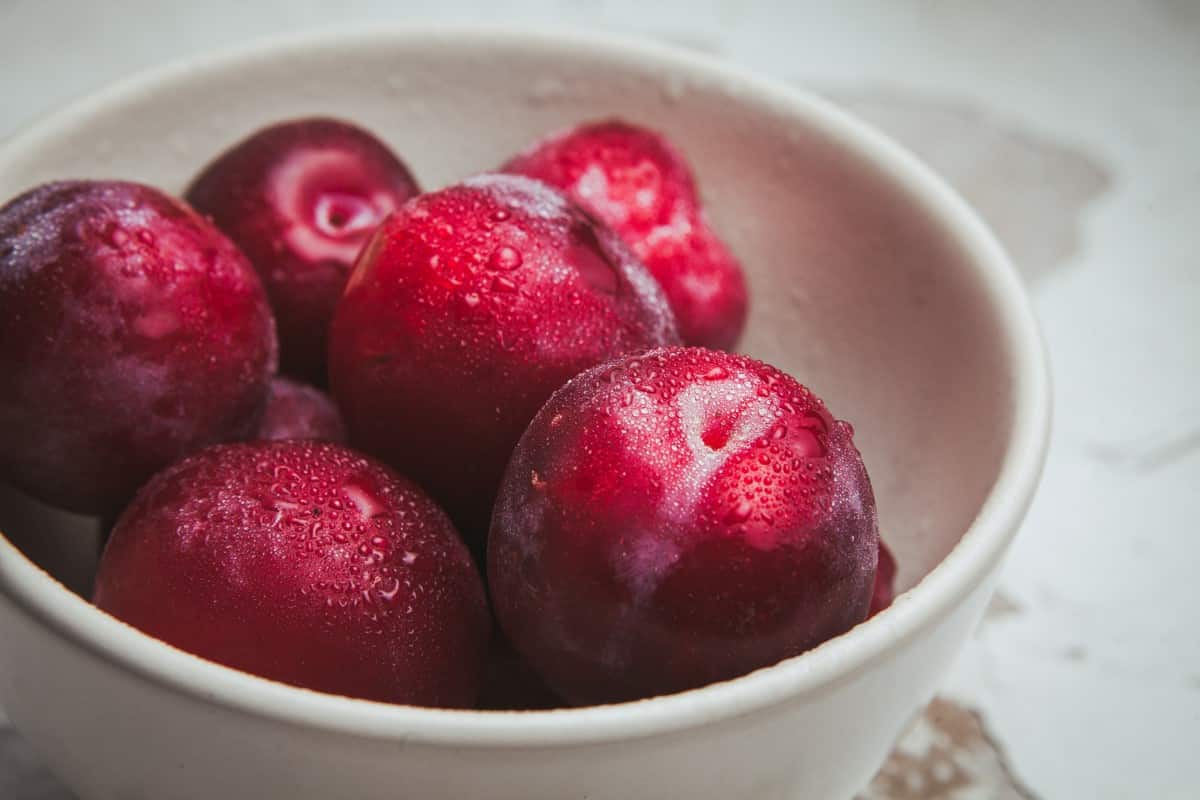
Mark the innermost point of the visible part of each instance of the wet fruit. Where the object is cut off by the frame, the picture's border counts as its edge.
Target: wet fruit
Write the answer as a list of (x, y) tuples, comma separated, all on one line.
[(303, 562), (633, 179), (300, 198), (677, 518), (465, 311), (132, 332)]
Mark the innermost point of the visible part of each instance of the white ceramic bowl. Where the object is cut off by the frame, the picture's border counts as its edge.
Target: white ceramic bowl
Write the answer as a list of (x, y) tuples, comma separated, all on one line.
[(871, 282)]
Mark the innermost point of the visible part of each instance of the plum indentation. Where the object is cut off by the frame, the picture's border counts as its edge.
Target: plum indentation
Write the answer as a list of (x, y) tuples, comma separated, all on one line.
[(716, 433), (339, 214)]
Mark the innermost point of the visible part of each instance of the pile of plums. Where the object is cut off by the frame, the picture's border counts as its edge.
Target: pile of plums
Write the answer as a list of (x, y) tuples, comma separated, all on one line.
[(528, 375)]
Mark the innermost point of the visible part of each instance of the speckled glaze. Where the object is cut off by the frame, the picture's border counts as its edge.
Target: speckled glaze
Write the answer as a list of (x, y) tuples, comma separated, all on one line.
[(678, 518), (132, 332), (872, 283), (303, 562), (466, 310)]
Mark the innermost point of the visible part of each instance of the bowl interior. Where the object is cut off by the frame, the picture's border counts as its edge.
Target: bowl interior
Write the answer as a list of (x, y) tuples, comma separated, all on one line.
[(855, 289)]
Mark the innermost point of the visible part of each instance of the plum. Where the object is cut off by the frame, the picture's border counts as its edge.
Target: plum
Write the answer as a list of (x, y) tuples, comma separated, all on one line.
[(132, 332), (307, 563), (465, 311), (885, 581), (297, 411), (632, 178), (300, 198), (677, 518)]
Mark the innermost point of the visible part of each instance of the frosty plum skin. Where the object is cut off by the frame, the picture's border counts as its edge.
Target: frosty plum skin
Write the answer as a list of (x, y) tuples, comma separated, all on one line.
[(464, 312), (297, 411), (885, 581), (677, 518), (633, 179), (132, 332), (300, 198), (303, 562)]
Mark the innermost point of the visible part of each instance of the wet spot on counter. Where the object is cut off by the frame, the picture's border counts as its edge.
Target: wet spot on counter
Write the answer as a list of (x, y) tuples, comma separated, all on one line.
[(1032, 190), (1150, 454)]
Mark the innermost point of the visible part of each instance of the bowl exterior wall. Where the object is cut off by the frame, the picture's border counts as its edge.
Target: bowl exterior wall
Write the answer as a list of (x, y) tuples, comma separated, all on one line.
[(111, 735)]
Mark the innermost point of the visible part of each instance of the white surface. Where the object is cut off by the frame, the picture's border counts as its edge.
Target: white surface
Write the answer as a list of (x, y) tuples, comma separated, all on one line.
[(1105, 566)]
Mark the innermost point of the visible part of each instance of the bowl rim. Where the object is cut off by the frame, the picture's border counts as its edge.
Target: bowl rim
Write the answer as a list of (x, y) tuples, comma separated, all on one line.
[(39, 596)]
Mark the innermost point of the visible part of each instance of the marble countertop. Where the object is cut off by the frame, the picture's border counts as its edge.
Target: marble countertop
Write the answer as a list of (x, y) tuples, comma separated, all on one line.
[(1072, 127)]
